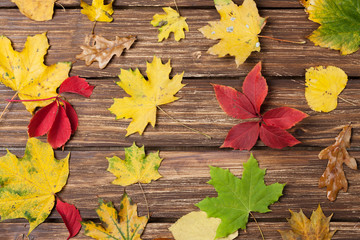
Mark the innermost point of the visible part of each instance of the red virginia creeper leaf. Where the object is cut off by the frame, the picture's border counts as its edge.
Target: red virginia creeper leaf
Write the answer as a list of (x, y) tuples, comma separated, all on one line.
[(71, 114), (242, 136), (60, 131), (283, 117), (70, 216), (78, 85), (276, 137), (234, 103), (43, 119), (255, 87)]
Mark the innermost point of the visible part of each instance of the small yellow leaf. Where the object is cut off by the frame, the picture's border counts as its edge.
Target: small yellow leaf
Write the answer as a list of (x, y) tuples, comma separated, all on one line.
[(237, 30), (197, 226), (38, 10), (124, 225), (170, 22), (26, 73), (322, 87), (146, 95), (28, 184), (97, 11), (137, 167)]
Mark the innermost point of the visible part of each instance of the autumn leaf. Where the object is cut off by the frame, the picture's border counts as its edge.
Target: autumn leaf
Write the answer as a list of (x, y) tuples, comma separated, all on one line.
[(237, 30), (102, 50), (70, 216), (270, 126), (125, 224), (25, 72), (339, 24), (322, 87), (136, 167), (170, 22), (315, 228), (146, 95), (237, 198), (97, 11), (27, 188), (334, 177), (196, 225), (38, 10)]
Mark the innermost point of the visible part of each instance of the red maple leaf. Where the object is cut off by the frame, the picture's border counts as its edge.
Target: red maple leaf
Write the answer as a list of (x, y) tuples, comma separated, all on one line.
[(271, 126), (70, 216)]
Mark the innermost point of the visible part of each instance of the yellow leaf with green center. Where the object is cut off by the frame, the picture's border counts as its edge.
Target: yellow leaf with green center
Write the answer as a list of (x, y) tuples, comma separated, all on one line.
[(28, 184), (146, 95), (26, 73), (322, 87), (136, 167), (97, 11), (124, 225), (38, 10), (170, 22), (237, 30)]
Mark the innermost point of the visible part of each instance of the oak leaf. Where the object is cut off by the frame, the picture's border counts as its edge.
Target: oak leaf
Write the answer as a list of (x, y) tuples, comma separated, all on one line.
[(237, 198), (302, 228), (334, 177), (125, 224), (170, 22), (70, 216), (97, 11), (100, 49), (146, 95), (322, 87), (26, 73), (136, 167), (27, 188), (237, 30), (38, 10)]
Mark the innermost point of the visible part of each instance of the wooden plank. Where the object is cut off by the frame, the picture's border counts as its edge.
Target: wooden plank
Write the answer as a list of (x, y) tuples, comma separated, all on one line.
[(197, 108), (68, 29)]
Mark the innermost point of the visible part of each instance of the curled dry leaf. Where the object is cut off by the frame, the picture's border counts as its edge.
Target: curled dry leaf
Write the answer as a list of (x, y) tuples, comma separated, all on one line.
[(38, 10), (100, 49), (334, 177)]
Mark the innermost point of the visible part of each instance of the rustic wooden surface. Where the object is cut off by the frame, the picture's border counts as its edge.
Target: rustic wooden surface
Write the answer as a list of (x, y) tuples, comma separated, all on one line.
[(187, 155)]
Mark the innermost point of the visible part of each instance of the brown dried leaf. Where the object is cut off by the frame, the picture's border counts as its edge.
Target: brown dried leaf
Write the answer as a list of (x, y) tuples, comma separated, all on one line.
[(334, 177), (100, 49)]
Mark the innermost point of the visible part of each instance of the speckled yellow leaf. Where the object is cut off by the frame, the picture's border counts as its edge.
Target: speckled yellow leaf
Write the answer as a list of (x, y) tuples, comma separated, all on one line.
[(38, 10), (322, 87), (97, 11), (136, 167), (26, 73), (146, 95), (28, 184), (124, 225), (197, 226), (237, 30), (170, 22)]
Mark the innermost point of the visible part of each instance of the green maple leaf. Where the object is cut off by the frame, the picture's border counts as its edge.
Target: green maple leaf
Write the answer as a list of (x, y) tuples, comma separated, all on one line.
[(340, 23), (238, 197)]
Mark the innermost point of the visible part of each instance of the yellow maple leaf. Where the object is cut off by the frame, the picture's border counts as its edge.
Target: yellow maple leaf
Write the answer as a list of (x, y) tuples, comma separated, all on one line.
[(28, 184), (237, 30), (170, 22), (322, 87), (97, 11), (26, 73), (125, 224), (315, 228), (196, 225), (146, 95), (38, 10), (137, 167)]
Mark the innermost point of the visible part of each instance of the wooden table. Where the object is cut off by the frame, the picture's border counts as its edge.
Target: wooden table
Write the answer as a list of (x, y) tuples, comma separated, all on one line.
[(187, 155)]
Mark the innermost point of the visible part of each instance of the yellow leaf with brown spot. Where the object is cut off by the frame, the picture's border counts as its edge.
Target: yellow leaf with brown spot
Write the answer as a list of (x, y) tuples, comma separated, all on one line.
[(38, 10), (26, 73), (98, 11)]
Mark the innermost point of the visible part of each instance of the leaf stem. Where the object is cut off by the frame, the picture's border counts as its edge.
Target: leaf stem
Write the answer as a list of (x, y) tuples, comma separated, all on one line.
[(177, 9), (146, 201), (192, 129), (282, 40), (262, 235), (347, 101), (9, 102), (92, 31), (60, 5), (31, 100)]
